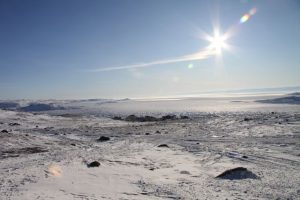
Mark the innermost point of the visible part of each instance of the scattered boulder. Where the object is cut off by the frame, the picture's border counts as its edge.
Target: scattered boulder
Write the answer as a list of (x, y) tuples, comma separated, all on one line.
[(134, 118), (168, 117), (246, 119), (4, 131), (163, 145), (147, 133), (149, 119), (237, 173), (73, 144), (69, 115), (26, 150), (117, 118), (131, 118), (184, 117), (14, 124), (103, 139), (234, 154), (93, 164), (185, 172)]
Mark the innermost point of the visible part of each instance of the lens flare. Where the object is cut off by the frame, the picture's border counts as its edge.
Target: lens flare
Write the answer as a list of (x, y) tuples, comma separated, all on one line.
[(245, 18), (248, 15), (191, 66), (252, 11)]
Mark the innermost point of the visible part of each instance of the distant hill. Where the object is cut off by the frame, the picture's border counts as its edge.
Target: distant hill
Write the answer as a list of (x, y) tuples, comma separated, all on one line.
[(8, 105), (295, 94), (291, 99), (38, 107)]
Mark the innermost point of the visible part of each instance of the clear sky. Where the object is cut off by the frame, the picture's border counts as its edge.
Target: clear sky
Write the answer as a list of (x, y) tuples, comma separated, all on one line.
[(59, 48)]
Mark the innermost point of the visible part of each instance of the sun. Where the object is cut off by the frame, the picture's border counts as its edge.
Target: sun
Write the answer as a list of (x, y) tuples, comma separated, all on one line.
[(217, 42)]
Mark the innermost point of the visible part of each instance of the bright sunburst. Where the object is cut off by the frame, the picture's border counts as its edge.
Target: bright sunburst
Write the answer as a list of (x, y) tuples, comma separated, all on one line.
[(217, 42)]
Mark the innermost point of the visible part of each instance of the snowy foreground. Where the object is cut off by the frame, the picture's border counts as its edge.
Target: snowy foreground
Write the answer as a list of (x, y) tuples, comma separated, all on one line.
[(45, 156)]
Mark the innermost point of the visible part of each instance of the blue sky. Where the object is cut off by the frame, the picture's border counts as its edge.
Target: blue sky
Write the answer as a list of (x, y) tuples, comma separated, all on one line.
[(53, 48)]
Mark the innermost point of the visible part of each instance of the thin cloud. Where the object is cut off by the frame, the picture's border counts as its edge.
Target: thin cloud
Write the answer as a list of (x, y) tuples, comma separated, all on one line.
[(196, 56)]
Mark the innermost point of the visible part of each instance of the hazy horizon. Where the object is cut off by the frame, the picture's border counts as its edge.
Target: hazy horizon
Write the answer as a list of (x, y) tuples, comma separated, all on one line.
[(263, 92), (75, 49)]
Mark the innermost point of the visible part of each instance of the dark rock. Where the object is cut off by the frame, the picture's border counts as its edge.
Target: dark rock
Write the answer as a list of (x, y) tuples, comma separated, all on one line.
[(117, 118), (147, 133), (4, 131), (134, 118), (158, 132), (103, 139), (70, 115), (26, 150), (131, 118), (185, 172), (163, 145), (237, 174), (234, 154), (246, 119), (168, 117), (149, 119), (93, 164), (184, 117), (14, 124), (73, 144)]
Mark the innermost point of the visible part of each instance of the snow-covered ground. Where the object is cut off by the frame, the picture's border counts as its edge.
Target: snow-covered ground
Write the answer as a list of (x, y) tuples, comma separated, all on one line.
[(44, 155)]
